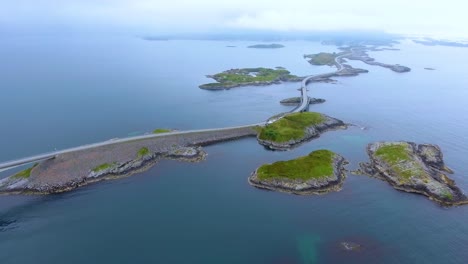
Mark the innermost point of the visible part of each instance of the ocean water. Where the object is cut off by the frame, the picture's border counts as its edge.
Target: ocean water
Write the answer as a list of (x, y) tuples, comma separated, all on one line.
[(59, 92)]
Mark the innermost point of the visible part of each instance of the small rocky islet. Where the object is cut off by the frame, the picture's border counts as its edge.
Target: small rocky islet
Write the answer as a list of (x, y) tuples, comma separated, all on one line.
[(297, 100), (414, 168), (319, 172)]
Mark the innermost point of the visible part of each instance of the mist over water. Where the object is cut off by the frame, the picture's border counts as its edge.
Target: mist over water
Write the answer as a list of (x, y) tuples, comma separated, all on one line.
[(64, 92)]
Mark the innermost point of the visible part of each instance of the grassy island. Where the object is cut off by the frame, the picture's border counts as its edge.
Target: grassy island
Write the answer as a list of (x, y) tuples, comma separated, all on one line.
[(266, 46), (322, 58), (290, 127), (316, 165), (249, 76)]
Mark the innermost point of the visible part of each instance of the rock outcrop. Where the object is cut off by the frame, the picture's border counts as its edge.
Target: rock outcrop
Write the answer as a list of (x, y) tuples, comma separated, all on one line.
[(413, 168)]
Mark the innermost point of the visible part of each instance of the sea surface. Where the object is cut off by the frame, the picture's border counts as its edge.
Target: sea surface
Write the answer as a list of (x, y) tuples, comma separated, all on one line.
[(59, 92)]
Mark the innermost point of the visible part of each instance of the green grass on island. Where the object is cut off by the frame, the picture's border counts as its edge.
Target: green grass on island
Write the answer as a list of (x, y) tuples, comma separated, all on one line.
[(143, 152), (249, 75), (398, 156), (316, 165), (24, 174), (322, 58), (161, 130), (102, 167), (291, 126)]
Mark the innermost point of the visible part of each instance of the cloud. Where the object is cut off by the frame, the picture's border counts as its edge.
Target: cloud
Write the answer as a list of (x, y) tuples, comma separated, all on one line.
[(396, 16), (301, 21)]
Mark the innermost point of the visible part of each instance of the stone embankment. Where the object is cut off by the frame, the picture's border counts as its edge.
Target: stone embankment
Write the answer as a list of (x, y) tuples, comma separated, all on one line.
[(74, 169)]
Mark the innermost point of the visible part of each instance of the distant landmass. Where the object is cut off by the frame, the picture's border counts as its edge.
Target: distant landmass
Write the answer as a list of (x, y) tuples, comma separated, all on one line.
[(359, 42), (266, 46), (433, 42), (155, 38)]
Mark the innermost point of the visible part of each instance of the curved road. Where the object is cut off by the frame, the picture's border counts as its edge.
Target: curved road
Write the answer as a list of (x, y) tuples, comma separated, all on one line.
[(305, 100), (301, 107)]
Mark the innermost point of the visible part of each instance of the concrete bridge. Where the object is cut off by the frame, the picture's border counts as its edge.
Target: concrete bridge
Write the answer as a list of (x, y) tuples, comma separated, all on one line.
[(303, 106)]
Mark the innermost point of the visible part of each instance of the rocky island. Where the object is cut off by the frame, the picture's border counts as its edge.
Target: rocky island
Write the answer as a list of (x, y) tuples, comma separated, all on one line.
[(319, 172), (249, 77), (413, 168), (322, 58), (266, 46), (293, 129), (297, 100)]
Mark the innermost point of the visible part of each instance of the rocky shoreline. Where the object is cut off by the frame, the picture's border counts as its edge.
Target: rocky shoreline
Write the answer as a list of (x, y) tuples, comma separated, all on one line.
[(310, 133), (301, 187), (421, 171), (72, 170)]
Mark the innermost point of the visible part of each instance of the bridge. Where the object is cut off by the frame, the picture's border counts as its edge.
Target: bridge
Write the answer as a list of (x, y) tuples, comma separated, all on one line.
[(303, 106)]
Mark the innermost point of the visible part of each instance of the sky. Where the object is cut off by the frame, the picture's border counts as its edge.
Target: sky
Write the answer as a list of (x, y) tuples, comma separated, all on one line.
[(409, 17)]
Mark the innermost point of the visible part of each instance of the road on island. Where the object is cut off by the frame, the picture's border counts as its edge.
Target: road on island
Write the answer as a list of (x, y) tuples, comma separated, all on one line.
[(45, 156), (305, 100)]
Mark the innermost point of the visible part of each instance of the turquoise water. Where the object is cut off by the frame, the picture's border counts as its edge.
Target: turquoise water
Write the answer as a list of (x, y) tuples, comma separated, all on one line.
[(59, 92)]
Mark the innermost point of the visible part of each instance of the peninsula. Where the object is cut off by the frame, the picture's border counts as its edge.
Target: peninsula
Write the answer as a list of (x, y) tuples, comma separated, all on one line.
[(293, 129), (413, 168), (351, 53), (249, 77), (319, 172)]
